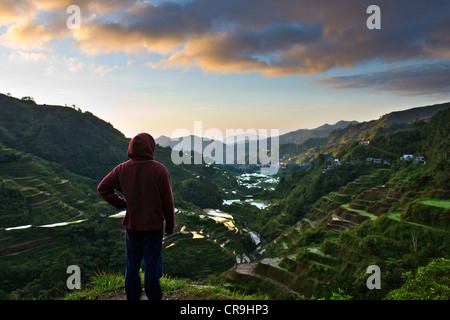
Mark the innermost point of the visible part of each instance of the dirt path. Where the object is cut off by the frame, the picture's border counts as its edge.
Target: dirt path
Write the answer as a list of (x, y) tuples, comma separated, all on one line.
[(247, 269)]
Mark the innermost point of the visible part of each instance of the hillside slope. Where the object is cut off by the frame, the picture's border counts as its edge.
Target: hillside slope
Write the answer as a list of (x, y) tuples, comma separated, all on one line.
[(308, 149), (395, 215), (36, 192), (301, 135), (79, 141), (387, 123)]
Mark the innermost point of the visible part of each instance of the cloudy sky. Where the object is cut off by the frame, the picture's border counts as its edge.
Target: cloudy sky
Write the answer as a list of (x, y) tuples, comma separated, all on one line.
[(158, 66)]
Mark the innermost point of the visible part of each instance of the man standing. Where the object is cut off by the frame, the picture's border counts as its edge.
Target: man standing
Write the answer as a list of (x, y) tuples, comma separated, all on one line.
[(148, 200)]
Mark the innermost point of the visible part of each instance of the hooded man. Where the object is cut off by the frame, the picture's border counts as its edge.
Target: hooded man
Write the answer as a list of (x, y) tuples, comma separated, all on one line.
[(148, 200)]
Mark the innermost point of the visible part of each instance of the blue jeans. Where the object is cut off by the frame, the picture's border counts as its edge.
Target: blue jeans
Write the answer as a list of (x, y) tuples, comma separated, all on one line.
[(143, 244)]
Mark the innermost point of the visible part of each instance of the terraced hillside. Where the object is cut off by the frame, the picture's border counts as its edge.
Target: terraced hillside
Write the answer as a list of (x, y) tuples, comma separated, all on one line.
[(395, 216), (205, 243), (39, 198), (35, 192), (349, 230)]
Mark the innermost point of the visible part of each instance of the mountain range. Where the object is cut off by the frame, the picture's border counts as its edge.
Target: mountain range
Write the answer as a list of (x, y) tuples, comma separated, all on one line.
[(319, 132), (296, 136), (342, 130), (304, 144)]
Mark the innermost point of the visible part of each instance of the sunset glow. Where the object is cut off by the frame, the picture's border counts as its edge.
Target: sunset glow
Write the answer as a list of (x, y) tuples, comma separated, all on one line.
[(158, 66)]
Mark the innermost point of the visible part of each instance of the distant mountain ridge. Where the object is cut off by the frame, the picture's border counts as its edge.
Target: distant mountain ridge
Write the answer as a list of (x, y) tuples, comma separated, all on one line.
[(341, 131), (387, 123), (315, 140), (296, 136), (300, 135)]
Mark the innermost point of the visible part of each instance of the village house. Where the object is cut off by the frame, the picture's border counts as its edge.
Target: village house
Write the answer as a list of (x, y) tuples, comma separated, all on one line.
[(419, 160), (407, 157), (329, 168), (378, 161), (371, 160)]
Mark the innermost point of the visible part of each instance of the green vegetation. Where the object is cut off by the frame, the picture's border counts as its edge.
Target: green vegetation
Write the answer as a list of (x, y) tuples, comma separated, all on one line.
[(101, 286), (210, 259), (79, 142), (34, 260), (194, 190), (326, 222), (37, 192), (430, 282), (108, 286), (437, 203)]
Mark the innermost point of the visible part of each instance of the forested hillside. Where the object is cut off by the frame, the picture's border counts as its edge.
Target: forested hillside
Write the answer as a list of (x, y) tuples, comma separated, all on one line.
[(331, 222)]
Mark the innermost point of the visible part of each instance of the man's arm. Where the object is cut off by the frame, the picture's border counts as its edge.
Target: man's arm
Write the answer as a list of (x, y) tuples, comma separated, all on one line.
[(165, 189), (106, 190)]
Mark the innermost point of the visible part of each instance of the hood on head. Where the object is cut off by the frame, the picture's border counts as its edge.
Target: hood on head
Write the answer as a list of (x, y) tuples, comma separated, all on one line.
[(141, 147)]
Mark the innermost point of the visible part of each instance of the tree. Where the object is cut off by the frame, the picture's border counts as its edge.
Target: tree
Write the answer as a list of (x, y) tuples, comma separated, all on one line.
[(28, 98), (430, 282), (201, 193)]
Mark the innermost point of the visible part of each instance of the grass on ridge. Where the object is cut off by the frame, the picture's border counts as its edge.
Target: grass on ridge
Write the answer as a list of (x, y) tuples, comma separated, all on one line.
[(108, 286)]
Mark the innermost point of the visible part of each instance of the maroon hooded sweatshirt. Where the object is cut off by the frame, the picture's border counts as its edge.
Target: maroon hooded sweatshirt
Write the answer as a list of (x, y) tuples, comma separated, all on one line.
[(146, 186)]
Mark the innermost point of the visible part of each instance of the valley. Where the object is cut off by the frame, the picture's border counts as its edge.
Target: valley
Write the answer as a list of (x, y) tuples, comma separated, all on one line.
[(308, 232), (29, 243)]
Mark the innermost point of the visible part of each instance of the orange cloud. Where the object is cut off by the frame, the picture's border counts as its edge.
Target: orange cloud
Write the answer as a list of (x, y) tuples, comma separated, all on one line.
[(12, 11), (272, 37), (222, 52), (25, 29), (96, 38), (29, 35)]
